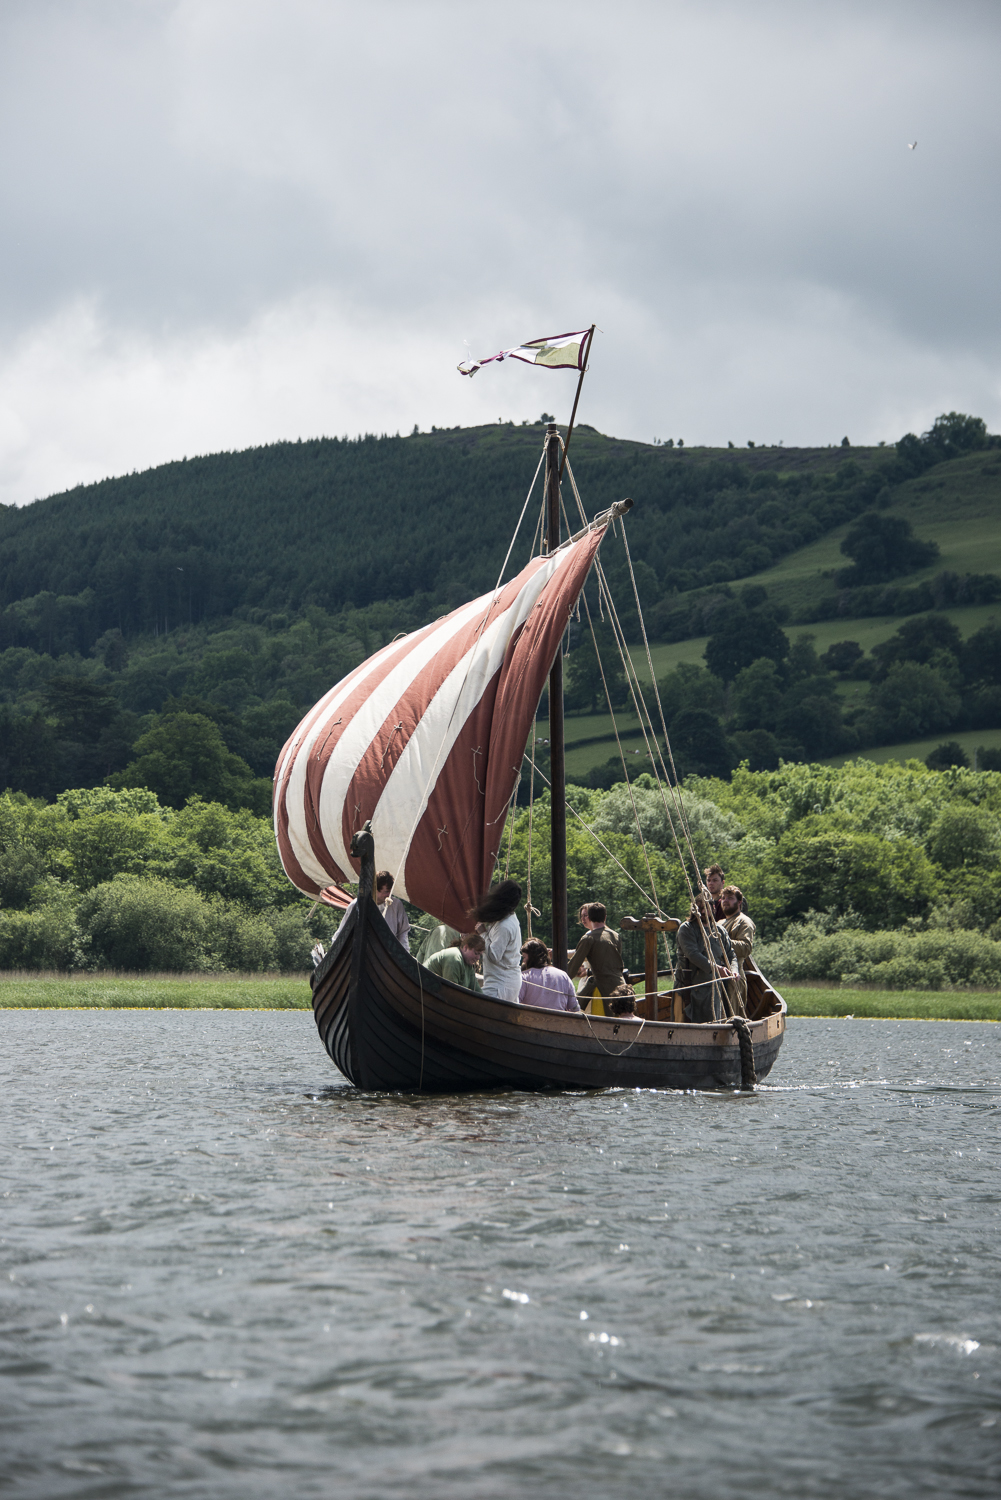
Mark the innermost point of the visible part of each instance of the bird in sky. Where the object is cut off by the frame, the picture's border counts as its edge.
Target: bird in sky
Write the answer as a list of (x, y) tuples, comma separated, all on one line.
[(912, 145)]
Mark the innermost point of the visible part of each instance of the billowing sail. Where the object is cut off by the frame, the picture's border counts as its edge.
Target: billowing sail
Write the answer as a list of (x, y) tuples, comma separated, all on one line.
[(426, 739)]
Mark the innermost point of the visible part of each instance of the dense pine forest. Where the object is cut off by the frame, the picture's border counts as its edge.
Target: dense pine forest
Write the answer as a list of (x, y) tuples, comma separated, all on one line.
[(344, 524)]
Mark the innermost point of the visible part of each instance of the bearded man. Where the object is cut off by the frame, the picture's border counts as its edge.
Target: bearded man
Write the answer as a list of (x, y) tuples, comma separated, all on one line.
[(741, 931)]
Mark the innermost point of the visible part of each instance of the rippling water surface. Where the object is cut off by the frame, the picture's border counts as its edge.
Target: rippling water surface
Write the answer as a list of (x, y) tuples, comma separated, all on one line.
[(227, 1273)]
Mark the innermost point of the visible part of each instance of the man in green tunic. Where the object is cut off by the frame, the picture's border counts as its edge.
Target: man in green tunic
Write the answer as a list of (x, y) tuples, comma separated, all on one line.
[(458, 964), (438, 938)]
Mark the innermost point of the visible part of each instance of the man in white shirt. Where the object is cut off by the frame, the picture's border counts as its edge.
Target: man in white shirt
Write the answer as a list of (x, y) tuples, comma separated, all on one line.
[(393, 910)]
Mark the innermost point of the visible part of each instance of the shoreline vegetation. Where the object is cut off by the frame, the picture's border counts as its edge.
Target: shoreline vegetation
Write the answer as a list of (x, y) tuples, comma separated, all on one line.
[(21, 990)]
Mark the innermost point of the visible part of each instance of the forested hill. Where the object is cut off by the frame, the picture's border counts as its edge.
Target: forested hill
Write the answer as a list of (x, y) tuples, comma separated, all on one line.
[(340, 523), (168, 629)]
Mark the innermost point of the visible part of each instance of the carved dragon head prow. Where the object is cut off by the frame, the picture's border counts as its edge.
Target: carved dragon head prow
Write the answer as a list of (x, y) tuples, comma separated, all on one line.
[(362, 842)]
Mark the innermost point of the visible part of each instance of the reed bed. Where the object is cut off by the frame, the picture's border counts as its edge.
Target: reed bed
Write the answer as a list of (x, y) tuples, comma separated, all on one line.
[(41, 990)]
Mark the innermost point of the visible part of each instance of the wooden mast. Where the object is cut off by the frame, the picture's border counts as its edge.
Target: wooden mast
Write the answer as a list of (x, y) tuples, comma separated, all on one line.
[(555, 462), (557, 767)]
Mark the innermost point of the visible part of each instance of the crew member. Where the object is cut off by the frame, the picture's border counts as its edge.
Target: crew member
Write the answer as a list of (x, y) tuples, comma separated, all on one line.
[(438, 938), (458, 963), (741, 932), (541, 982), (602, 950), (622, 1005), (714, 878), (705, 952), (392, 909), (496, 920)]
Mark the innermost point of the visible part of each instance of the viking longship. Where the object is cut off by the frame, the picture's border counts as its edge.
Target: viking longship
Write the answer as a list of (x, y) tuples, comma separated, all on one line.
[(415, 757)]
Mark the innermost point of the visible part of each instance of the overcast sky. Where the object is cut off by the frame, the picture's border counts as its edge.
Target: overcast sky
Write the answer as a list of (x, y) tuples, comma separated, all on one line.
[(226, 222)]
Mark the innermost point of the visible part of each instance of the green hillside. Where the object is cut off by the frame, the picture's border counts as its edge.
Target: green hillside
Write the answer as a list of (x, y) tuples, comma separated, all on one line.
[(957, 505), (186, 617)]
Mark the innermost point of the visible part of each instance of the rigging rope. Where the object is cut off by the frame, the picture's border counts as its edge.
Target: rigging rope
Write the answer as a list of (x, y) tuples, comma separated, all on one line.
[(653, 678), (622, 757), (587, 827), (597, 1038), (638, 699), (646, 728), (510, 824), (660, 708), (514, 538), (645, 719), (531, 815)]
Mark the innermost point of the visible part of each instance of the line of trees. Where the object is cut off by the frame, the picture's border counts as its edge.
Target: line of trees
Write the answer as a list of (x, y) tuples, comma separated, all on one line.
[(114, 879), (346, 524), (104, 879)]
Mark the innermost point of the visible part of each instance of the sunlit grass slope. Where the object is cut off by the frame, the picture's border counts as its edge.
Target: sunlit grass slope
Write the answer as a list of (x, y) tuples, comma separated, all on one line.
[(956, 504), (913, 1005), (154, 991)]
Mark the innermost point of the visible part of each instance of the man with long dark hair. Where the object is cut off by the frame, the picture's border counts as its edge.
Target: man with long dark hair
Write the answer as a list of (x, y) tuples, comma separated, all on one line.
[(496, 920)]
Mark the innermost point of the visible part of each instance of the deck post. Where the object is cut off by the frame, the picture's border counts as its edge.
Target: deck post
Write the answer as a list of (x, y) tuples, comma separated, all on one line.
[(650, 926), (650, 965), (557, 750)]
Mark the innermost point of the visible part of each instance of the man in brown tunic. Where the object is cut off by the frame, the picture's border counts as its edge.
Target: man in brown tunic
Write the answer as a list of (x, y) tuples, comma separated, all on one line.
[(742, 933), (601, 948)]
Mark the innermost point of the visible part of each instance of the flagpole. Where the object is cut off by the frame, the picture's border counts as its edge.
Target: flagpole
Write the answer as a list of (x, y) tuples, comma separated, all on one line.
[(586, 351)]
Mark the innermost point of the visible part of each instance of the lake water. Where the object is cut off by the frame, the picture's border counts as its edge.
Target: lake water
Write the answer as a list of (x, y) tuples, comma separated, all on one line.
[(226, 1273)]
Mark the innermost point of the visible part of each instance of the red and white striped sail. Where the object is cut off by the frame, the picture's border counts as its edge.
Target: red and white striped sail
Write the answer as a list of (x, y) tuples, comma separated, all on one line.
[(426, 739)]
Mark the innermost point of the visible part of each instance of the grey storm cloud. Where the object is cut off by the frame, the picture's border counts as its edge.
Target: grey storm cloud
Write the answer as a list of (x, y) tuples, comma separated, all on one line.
[(725, 188)]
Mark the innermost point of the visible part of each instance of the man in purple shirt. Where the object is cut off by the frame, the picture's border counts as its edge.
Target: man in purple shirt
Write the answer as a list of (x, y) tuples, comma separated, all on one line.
[(541, 983)]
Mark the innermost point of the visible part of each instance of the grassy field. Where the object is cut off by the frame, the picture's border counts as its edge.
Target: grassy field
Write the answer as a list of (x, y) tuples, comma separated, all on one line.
[(957, 505), (910, 1005), (24, 991), (590, 741), (970, 739), (868, 633), (47, 991)]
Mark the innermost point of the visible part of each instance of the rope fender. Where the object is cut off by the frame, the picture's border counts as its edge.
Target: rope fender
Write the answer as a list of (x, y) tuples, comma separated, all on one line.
[(748, 1073)]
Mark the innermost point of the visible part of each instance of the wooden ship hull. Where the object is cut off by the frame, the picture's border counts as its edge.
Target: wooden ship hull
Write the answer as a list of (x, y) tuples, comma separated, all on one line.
[(390, 1024)]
